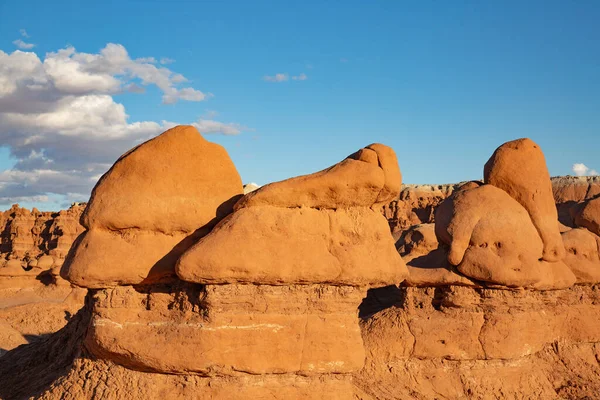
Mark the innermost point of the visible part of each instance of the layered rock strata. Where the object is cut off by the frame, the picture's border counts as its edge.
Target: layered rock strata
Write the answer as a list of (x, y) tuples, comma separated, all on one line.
[(272, 290), (154, 202), (34, 300), (498, 299)]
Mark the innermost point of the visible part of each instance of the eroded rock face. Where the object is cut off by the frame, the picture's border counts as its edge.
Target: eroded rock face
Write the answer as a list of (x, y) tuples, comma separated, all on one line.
[(583, 258), (491, 238), (320, 228), (427, 259), (256, 329), (459, 342), (276, 245), (415, 205), (519, 168), (34, 300), (589, 215), (264, 304), (368, 177), (284, 302), (149, 207)]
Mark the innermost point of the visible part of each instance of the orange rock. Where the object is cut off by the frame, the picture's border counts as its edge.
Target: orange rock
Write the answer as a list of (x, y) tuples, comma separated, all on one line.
[(102, 258), (317, 335), (300, 245), (175, 182), (492, 239), (589, 215), (367, 177), (426, 260), (153, 203), (583, 257), (319, 228), (519, 168)]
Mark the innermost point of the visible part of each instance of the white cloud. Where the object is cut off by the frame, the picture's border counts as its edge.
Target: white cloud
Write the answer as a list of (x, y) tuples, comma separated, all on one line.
[(281, 77), (583, 170), (211, 126), (23, 45), (150, 60), (61, 123), (301, 77), (23, 33), (210, 114), (135, 88), (166, 60)]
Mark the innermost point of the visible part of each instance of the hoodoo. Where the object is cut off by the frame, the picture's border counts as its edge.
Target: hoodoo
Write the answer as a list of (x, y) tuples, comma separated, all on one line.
[(340, 284)]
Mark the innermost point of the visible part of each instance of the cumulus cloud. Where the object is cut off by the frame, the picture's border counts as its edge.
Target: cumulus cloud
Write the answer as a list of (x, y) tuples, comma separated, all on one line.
[(23, 45), (23, 33), (166, 60), (281, 77), (150, 60), (212, 126), (62, 125), (583, 170), (301, 77)]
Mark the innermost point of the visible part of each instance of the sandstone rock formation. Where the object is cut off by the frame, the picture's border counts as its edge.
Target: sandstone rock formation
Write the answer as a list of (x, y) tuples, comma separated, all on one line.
[(415, 205), (519, 168), (491, 238), (34, 300), (318, 228), (583, 254), (149, 207), (588, 215), (283, 303), (264, 303), (456, 342), (427, 260)]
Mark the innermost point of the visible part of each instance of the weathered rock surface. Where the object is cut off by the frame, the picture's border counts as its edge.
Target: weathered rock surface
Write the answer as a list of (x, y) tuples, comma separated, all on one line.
[(519, 168), (145, 211), (319, 228), (583, 254), (445, 342), (269, 309), (457, 342), (252, 329), (371, 176), (491, 238), (588, 215), (34, 300), (415, 205), (276, 245), (427, 260)]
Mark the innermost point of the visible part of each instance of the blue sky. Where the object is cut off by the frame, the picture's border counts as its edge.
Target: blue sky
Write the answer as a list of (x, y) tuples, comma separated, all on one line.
[(443, 83)]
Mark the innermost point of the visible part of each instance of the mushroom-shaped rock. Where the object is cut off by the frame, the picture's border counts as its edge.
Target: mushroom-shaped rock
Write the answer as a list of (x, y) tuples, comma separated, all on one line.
[(583, 257), (519, 168), (154, 202), (589, 215), (371, 176), (320, 228), (492, 239)]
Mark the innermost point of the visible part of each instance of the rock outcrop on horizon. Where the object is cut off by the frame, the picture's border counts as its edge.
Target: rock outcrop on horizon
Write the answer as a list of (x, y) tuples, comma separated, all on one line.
[(34, 300), (340, 284)]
